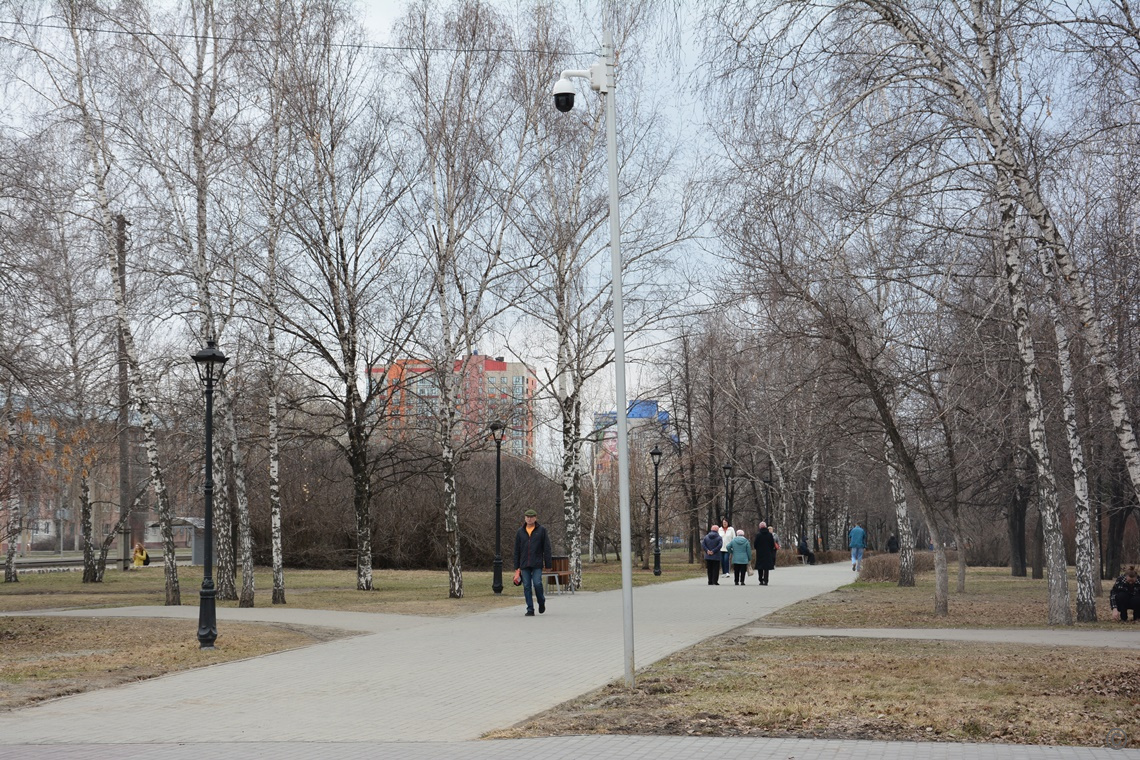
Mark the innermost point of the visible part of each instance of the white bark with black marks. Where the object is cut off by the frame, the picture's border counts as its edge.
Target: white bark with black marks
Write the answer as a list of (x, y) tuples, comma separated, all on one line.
[(1086, 566)]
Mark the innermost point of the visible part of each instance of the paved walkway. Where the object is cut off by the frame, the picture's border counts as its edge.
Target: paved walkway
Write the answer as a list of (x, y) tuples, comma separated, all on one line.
[(417, 687)]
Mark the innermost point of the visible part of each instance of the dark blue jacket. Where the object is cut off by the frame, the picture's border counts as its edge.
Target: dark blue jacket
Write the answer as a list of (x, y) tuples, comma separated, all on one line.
[(712, 543), (532, 550)]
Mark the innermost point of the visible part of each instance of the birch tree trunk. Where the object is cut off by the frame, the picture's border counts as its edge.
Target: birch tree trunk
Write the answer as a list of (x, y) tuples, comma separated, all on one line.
[(226, 566), (572, 484), (451, 507), (1086, 568), (245, 537), (1048, 508), (813, 479), (274, 471), (902, 518), (276, 105)]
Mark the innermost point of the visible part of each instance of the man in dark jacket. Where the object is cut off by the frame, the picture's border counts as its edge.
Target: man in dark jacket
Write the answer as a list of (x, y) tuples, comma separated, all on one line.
[(711, 544), (532, 553), (1125, 595)]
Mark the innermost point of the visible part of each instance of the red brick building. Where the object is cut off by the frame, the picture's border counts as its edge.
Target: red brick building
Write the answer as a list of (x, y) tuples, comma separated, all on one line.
[(487, 388)]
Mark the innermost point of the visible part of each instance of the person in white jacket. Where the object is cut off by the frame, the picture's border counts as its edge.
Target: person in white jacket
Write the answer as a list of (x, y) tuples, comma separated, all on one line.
[(726, 536)]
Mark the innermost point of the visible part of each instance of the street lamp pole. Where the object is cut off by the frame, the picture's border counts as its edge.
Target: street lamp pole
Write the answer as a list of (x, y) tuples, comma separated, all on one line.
[(655, 455), (497, 431), (601, 76), (209, 362)]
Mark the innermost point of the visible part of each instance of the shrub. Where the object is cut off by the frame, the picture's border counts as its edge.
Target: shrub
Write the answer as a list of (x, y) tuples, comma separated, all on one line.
[(884, 568)]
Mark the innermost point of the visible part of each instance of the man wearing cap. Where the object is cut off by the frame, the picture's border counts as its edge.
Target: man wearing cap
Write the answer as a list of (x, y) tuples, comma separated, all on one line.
[(532, 553)]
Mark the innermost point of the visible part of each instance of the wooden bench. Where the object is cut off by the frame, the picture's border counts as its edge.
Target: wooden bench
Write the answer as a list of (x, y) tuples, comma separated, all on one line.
[(558, 579)]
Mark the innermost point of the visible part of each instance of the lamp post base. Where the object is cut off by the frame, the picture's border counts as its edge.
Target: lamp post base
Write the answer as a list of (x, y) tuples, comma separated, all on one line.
[(497, 578), (207, 617), (657, 562)]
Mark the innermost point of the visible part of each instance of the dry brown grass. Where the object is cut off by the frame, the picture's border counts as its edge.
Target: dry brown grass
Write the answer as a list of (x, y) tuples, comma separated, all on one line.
[(993, 599), (867, 689), (409, 592), (873, 688), (46, 657)]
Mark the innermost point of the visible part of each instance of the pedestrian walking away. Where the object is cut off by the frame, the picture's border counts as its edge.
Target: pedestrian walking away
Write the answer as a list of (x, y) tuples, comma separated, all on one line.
[(1125, 595), (711, 545), (857, 540), (740, 553), (726, 535), (765, 544), (893, 544), (532, 553)]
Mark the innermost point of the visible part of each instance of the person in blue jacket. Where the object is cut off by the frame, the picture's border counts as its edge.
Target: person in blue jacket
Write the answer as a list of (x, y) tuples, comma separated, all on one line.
[(532, 553), (857, 540), (711, 545)]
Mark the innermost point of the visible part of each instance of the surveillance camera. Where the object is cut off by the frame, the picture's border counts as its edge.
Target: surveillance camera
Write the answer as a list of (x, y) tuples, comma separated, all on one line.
[(563, 95)]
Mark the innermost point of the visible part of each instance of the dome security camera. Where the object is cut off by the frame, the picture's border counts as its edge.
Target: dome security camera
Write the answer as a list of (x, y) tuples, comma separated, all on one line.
[(563, 95)]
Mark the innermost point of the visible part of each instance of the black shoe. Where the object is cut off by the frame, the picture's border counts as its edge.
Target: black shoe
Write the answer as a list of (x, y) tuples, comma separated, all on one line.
[(541, 607), (529, 613)]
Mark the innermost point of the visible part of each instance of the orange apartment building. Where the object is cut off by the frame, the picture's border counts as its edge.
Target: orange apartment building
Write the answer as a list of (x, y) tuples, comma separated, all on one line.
[(488, 388)]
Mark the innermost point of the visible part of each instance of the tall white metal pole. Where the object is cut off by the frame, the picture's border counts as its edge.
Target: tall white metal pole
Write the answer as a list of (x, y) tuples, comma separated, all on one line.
[(619, 363)]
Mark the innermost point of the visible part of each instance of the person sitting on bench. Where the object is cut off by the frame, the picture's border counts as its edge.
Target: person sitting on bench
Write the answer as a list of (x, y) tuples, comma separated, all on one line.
[(1125, 595), (805, 551)]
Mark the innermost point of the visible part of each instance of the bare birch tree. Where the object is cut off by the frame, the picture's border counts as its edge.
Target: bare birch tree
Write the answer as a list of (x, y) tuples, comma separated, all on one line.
[(472, 137), (70, 65), (344, 296)]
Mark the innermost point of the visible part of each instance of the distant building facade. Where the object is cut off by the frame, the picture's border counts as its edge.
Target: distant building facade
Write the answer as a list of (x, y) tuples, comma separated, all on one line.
[(647, 425), (487, 389)]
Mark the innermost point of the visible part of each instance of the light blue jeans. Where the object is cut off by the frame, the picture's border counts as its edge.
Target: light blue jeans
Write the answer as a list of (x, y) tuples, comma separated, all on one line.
[(856, 556), (532, 575)]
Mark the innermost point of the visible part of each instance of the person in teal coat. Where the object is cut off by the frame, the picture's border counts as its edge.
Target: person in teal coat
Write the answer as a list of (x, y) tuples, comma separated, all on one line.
[(739, 554)]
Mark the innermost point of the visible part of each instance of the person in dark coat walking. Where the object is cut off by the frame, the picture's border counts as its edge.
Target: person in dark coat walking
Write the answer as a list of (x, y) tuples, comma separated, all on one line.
[(1125, 595), (893, 545), (710, 545), (765, 545), (532, 553)]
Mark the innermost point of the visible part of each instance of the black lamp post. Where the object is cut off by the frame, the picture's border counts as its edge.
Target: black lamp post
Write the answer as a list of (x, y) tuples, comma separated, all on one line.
[(655, 455), (209, 362), (728, 492), (497, 431)]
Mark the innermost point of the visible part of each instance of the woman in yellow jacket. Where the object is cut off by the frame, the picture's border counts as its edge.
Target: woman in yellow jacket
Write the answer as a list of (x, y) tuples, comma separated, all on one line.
[(140, 556)]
